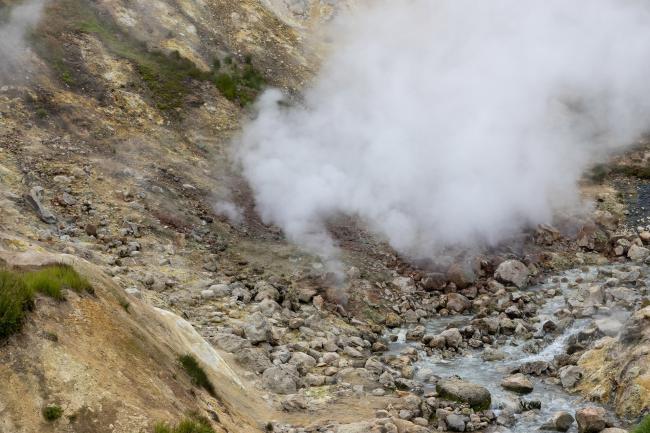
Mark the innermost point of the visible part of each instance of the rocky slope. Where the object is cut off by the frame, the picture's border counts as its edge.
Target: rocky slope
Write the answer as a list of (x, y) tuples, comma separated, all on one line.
[(115, 156)]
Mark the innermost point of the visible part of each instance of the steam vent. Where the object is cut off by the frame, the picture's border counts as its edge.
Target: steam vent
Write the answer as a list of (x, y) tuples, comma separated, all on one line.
[(324, 216)]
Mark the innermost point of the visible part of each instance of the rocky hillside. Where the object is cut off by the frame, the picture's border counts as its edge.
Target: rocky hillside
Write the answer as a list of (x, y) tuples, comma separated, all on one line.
[(116, 158)]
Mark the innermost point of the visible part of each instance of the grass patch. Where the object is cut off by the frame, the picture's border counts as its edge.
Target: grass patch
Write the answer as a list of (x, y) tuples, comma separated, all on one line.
[(192, 424), (17, 291), (196, 373), (52, 412), (15, 299), (643, 427), (52, 280)]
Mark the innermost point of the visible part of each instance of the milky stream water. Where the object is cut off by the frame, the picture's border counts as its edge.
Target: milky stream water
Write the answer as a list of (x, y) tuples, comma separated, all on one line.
[(473, 368)]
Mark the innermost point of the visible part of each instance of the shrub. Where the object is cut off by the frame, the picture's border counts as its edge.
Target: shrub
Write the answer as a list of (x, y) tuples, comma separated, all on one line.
[(196, 373), (188, 425), (644, 426), (15, 298), (52, 412)]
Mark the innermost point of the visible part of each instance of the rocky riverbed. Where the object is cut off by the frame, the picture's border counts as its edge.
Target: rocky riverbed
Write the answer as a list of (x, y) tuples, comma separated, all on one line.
[(527, 360)]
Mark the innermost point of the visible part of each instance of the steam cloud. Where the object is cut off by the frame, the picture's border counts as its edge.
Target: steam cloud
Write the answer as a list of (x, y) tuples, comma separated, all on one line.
[(452, 122), (13, 48)]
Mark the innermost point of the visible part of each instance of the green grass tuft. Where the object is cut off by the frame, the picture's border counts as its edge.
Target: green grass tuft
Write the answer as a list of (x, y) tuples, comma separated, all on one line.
[(188, 425), (643, 427), (52, 412), (52, 280), (17, 291), (196, 373), (15, 299)]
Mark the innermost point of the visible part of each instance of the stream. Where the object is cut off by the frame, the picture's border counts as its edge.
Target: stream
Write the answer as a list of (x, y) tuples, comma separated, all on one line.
[(471, 367)]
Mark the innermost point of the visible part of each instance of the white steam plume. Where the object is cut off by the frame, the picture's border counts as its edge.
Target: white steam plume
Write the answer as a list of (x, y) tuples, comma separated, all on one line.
[(13, 47), (452, 122)]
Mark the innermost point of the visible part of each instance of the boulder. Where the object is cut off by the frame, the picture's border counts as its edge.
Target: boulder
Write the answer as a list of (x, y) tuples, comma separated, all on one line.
[(453, 337), (512, 272), (477, 396), (34, 199), (257, 329), (302, 361), (591, 420), (570, 375), (281, 379), (517, 383), (461, 274), (458, 303), (253, 359), (637, 253), (230, 342), (455, 422), (561, 421)]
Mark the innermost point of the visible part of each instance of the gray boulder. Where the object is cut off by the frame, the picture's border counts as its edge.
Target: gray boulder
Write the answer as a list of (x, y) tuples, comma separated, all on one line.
[(517, 383), (257, 329), (253, 359), (512, 272), (561, 421), (477, 396), (281, 379)]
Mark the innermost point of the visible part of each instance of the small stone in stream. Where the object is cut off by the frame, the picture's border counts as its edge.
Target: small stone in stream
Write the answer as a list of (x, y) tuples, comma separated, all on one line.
[(528, 405), (490, 354), (549, 326), (477, 396), (591, 420), (517, 383), (453, 337), (570, 375), (561, 421), (513, 272), (416, 333), (455, 422), (536, 368)]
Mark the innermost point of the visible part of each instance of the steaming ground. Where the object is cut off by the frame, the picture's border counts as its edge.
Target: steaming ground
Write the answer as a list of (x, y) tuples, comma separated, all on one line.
[(452, 122), (13, 48)]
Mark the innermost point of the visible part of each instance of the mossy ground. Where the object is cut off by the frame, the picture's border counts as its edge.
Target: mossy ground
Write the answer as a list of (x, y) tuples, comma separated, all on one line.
[(643, 427), (167, 77)]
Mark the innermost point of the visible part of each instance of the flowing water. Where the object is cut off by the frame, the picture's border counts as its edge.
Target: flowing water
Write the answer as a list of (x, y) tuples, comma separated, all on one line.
[(472, 368)]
